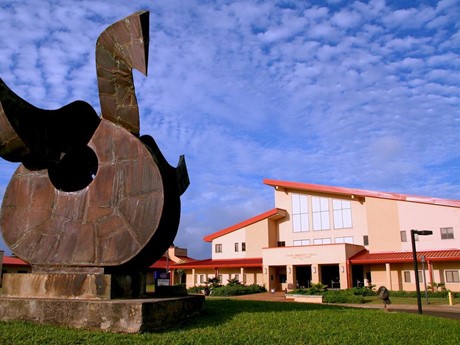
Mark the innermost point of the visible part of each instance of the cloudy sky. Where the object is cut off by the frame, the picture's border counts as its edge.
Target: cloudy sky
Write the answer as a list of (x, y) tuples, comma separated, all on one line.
[(362, 94)]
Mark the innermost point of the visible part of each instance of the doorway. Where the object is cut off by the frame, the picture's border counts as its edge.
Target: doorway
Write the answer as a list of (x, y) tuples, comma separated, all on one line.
[(330, 276), (303, 276)]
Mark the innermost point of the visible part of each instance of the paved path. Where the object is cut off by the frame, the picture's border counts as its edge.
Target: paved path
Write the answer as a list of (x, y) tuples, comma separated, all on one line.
[(451, 312)]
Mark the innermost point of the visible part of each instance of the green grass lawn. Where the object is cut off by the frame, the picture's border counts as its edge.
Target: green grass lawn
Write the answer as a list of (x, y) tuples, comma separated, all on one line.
[(226, 321)]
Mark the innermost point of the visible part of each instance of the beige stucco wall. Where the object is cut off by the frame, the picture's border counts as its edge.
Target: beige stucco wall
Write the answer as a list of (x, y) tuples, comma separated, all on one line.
[(429, 217), (383, 225), (307, 255), (255, 236), (357, 231)]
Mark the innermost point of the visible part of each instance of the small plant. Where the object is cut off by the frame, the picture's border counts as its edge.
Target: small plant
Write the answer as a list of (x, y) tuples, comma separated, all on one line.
[(214, 282), (437, 286), (233, 282)]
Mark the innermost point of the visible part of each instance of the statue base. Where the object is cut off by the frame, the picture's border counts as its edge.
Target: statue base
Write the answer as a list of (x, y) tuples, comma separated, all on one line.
[(85, 301)]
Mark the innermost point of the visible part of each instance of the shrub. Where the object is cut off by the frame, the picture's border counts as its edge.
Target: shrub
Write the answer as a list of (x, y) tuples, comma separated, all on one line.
[(237, 290), (342, 296), (196, 289), (315, 289), (363, 291)]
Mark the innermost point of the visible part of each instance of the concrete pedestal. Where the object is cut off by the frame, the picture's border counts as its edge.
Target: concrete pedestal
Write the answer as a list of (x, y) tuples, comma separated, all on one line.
[(118, 316), (85, 301)]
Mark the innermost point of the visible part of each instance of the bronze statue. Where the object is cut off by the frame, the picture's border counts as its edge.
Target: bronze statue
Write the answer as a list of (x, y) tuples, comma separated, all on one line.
[(90, 196)]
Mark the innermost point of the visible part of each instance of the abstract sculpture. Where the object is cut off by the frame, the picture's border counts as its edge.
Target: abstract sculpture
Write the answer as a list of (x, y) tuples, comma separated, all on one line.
[(91, 196)]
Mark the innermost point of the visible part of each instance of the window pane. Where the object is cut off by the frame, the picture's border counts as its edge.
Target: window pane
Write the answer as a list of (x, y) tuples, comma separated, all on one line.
[(407, 276), (315, 204), (338, 223), (296, 222), (324, 204), (325, 220), (347, 218), (403, 236), (303, 204), (348, 240), (295, 203), (316, 221)]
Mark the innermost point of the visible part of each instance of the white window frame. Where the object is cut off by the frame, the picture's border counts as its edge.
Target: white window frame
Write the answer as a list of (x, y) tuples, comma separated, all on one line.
[(319, 241), (320, 213), (403, 235), (447, 233), (299, 213), (345, 239), (342, 214), (407, 277), (453, 277), (301, 242)]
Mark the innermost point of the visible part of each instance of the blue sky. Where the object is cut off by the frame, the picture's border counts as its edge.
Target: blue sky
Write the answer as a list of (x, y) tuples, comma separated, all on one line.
[(362, 94)]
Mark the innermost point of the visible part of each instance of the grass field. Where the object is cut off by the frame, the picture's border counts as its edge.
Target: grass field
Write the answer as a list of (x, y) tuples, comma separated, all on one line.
[(226, 321)]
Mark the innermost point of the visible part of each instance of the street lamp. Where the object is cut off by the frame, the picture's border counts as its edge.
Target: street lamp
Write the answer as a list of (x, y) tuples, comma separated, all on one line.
[(414, 254)]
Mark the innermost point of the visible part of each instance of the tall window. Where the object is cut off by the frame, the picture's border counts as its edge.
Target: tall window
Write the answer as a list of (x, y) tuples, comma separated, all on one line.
[(403, 236), (243, 246), (236, 247), (299, 213), (342, 214), (218, 248), (320, 213), (201, 278), (366, 240), (452, 277), (447, 233)]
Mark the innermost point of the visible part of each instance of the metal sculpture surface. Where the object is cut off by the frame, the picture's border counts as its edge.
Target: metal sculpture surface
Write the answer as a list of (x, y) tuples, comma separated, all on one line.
[(90, 194)]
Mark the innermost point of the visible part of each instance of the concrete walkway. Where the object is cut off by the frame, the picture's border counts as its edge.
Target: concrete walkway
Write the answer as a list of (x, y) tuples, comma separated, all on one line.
[(447, 311)]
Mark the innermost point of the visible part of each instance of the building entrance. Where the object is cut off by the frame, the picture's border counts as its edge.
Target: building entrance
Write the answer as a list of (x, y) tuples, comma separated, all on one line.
[(330, 276), (357, 274), (303, 276)]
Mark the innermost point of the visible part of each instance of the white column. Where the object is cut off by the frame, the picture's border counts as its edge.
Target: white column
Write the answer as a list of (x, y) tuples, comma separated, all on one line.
[(388, 272)]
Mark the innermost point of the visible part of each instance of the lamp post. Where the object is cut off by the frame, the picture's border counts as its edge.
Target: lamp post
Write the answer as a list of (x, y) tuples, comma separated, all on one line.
[(414, 254)]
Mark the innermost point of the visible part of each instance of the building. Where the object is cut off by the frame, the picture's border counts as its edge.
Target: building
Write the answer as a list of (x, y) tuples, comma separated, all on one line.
[(341, 237)]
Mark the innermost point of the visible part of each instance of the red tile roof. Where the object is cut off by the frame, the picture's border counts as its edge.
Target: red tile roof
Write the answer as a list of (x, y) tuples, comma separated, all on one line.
[(275, 213), (14, 261), (364, 257), (223, 263), (361, 193), (164, 263)]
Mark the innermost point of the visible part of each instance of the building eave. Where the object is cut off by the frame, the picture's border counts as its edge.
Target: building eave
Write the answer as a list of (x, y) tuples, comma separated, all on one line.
[(353, 192), (275, 213)]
